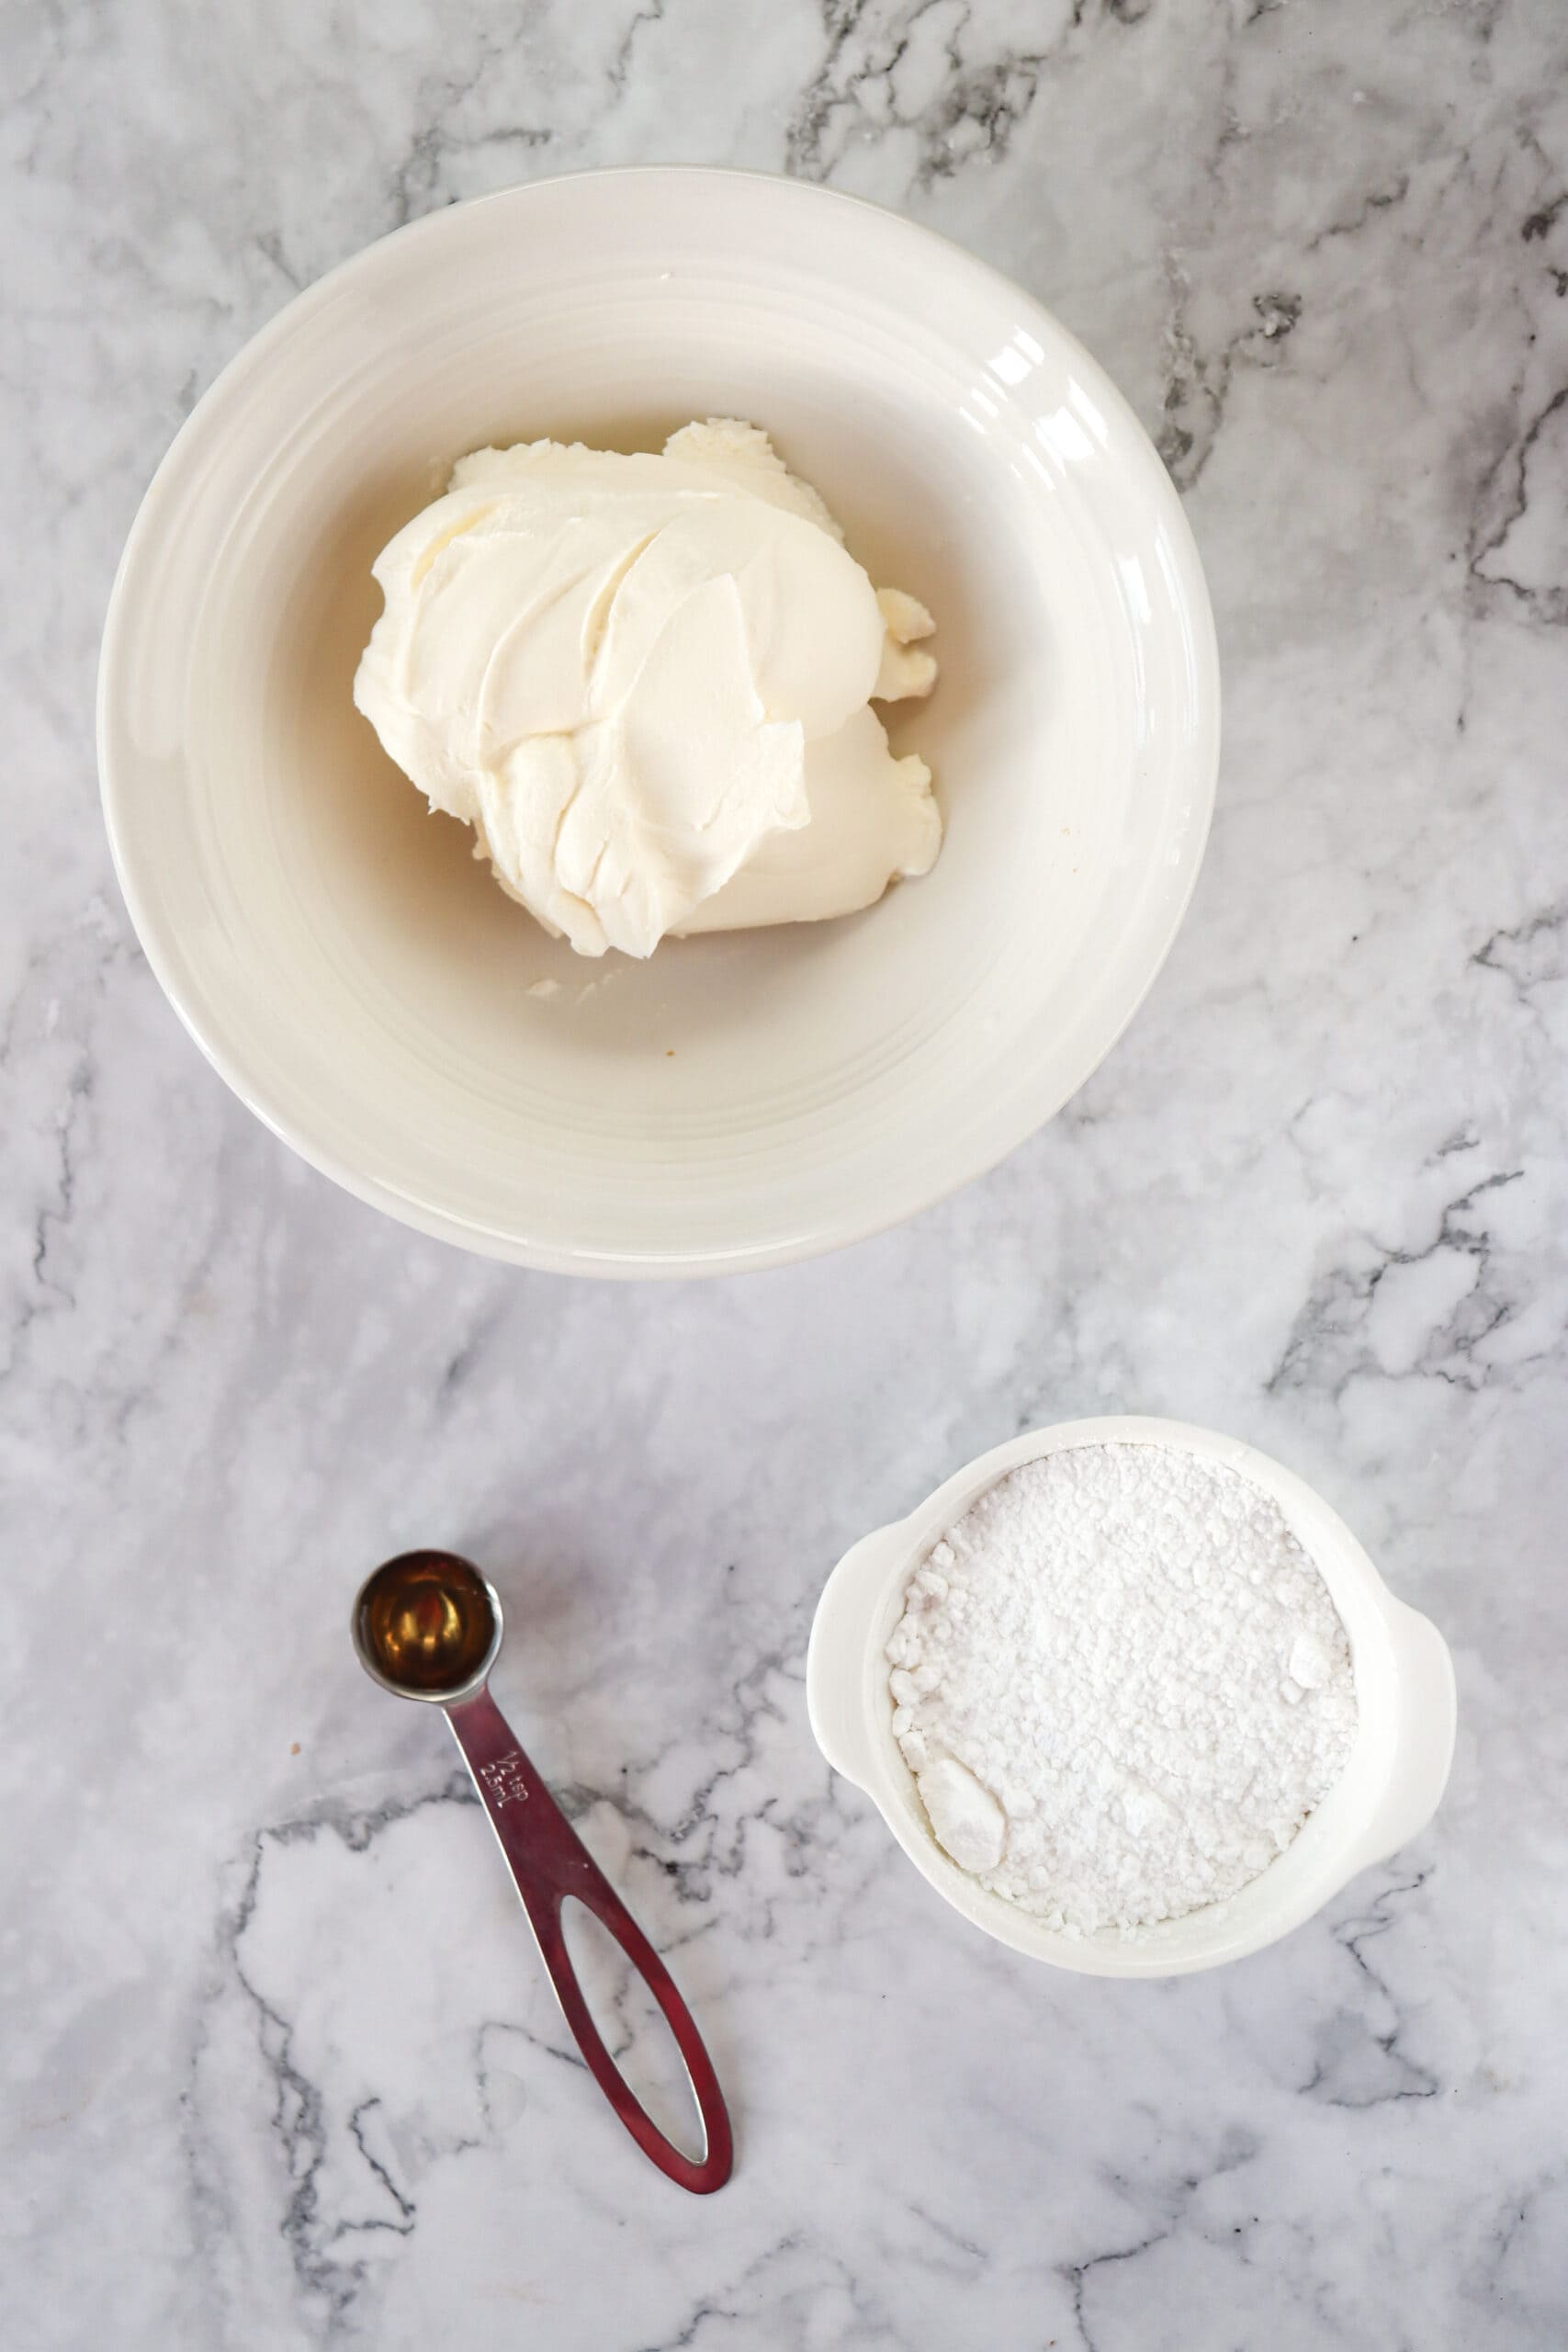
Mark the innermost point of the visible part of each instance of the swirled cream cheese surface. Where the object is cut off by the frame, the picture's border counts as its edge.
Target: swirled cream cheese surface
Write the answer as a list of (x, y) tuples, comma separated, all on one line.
[(646, 682)]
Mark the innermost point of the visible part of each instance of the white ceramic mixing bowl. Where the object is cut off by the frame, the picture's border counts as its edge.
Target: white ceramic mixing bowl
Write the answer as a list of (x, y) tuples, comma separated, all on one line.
[(736, 1101), (1398, 1767)]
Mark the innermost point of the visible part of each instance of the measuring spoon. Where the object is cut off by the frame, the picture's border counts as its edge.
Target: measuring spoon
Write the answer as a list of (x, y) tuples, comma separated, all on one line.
[(428, 1625)]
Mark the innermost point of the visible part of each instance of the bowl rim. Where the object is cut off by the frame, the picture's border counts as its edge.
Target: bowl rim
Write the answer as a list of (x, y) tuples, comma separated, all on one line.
[(826, 1232), (846, 1679)]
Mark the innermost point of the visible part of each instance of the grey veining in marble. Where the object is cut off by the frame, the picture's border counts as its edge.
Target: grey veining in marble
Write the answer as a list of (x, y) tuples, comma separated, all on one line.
[(280, 2069)]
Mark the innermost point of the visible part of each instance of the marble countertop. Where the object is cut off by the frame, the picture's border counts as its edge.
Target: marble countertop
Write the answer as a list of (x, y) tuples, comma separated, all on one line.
[(280, 2068)]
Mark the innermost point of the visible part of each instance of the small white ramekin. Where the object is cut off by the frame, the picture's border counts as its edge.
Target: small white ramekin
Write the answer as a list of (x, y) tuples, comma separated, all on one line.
[(1391, 1787)]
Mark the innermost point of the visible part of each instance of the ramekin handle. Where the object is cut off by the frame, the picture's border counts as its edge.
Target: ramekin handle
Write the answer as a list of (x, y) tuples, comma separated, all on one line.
[(836, 1656), (1424, 1747)]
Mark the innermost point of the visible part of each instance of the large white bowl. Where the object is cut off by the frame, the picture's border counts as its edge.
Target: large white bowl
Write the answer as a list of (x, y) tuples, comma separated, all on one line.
[(1391, 1787), (736, 1101)]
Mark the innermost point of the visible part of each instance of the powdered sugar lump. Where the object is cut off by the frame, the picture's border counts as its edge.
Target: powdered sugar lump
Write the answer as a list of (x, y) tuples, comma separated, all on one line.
[(1121, 1686)]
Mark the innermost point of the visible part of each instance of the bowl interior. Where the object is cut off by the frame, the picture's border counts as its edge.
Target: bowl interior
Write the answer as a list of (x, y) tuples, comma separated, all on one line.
[(1330, 1844), (363, 982)]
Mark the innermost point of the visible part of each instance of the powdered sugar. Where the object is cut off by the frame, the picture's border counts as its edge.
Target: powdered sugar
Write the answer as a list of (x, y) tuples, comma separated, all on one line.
[(1121, 1686)]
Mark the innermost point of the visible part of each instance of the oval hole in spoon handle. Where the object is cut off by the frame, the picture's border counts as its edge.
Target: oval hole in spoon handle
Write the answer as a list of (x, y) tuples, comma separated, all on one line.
[(549, 1862)]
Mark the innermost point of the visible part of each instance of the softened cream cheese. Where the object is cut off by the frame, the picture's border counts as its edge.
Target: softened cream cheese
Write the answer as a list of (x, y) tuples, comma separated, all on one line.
[(645, 683)]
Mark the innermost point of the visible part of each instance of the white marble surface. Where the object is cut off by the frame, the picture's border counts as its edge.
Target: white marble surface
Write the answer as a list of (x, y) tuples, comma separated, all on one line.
[(280, 2069)]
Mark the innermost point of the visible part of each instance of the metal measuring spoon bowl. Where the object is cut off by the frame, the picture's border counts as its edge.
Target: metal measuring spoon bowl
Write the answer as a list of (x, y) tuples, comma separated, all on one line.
[(428, 1625)]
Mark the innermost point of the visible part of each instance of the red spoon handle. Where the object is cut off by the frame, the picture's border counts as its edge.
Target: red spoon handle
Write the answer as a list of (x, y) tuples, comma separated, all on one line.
[(549, 1862)]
